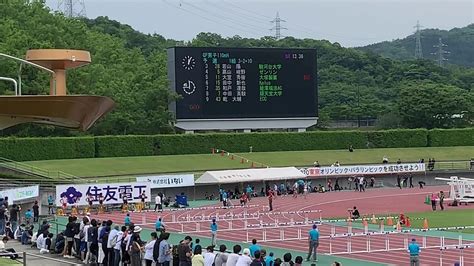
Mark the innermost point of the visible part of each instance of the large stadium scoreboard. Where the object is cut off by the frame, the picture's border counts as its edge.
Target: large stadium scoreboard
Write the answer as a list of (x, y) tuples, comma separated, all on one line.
[(239, 83)]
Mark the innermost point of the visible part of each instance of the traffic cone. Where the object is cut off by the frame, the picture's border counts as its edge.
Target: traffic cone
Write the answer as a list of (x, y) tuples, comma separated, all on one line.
[(390, 221), (374, 221), (428, 200), (407, 222), (425, 224)]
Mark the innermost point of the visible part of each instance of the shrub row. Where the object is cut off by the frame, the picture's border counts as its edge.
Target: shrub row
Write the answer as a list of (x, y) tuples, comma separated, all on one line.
[(32, 149), (25, 149), (451, 137)]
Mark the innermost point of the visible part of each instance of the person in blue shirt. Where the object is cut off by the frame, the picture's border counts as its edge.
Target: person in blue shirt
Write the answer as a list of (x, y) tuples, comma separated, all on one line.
[(50, 204), (254, 247), (159, 226), (127, 221), (414, 250), (28, 216), (313, 241), (213, 232), (269, 259)]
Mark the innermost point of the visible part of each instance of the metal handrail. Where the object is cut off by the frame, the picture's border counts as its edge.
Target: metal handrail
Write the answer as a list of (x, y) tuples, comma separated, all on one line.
[(58, 175), (53, 74), (14, 83)]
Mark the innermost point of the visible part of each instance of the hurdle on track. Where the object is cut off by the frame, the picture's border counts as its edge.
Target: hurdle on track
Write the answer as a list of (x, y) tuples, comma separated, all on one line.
[(237, 216), (461, 249)]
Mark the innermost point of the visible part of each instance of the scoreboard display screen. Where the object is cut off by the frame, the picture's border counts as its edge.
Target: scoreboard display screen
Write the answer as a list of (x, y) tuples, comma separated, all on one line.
[(226, 83)]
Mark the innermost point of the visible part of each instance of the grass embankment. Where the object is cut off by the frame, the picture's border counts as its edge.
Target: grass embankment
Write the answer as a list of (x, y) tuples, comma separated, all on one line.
[(202, 162)]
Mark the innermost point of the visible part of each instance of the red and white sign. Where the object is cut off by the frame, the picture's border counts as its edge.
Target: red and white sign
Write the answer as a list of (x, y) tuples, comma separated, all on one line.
[(379, 169)]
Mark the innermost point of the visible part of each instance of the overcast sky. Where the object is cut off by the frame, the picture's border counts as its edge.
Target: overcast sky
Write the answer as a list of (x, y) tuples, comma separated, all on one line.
[(349, 22)]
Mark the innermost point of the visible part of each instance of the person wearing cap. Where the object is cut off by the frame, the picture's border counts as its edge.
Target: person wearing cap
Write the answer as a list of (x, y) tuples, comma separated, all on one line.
[(214, 232), (414, 250), (313, 241), (184, 252), (136, 247), (245, 259)]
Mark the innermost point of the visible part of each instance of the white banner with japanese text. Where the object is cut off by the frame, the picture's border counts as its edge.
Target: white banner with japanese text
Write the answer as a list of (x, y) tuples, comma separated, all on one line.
[(20, 194), (350, 170), (111, 193), (168, 181)]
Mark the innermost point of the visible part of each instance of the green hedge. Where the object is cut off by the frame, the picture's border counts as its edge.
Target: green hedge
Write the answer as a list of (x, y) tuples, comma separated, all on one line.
[(120, 146), (398, 138), (32, 149), (451, 137), (261, 142), (25, 149)]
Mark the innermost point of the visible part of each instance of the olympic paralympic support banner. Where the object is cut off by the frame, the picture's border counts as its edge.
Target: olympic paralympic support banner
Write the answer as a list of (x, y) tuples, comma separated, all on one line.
[(168, 181), (76, 194), (19, 194), (379, 169)]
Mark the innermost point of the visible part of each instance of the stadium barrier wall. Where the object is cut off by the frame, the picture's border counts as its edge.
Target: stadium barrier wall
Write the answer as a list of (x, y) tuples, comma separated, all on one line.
[(49, 148)]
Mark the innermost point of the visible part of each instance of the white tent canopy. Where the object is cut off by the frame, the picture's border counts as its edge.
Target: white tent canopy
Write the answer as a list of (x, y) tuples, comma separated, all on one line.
[(250, 175)]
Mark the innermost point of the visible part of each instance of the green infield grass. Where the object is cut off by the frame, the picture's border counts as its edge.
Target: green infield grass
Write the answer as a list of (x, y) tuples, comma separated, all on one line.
[(201, 162), (447, 218)]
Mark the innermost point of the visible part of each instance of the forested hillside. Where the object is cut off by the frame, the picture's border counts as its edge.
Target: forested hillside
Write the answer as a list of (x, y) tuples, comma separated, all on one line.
[(459, 41), (130, 67)]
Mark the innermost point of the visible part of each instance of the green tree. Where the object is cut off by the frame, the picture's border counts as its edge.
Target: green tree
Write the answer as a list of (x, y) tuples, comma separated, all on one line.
[(431, 105)]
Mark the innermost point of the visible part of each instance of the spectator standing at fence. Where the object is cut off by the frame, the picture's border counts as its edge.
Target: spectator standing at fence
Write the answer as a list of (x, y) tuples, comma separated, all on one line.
[(254, 247), (149, 249), (313, 242), (245, 259), (214, 232), (14, 216), (441, 200), (3, 219), (256, 261), (269, 259), (209, 256), (222, 256), (414, 250), (184, 252), (233, 257)]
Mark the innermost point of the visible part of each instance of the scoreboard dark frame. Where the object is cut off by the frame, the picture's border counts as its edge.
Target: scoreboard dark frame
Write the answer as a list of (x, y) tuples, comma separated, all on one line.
[(299, 99)]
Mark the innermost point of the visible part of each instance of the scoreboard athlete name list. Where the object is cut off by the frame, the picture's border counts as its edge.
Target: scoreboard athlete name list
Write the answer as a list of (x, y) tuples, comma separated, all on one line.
[(245, 83)]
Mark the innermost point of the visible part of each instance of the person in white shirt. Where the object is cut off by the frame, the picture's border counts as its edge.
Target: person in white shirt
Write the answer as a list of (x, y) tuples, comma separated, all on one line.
[(118, 245), (86, 238), (111, 241), (158, 203), (209, 256), (232, 258), (245, 259), (149, 249), (40, 241)]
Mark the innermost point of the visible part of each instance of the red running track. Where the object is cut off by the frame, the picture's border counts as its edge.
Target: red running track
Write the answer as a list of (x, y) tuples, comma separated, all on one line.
[(333, 204)]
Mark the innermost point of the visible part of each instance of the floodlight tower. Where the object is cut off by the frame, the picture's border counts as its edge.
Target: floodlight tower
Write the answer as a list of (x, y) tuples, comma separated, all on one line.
[(72, 8)]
